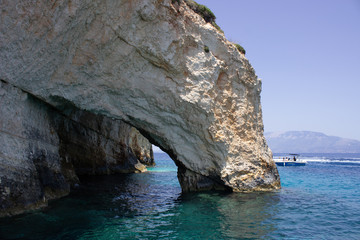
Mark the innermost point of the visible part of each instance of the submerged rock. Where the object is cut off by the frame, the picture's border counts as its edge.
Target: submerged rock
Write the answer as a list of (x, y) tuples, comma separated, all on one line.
[(145, 62)]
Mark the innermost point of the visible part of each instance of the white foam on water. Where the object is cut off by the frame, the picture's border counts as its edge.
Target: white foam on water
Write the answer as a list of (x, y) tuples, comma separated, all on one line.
[(354, 160), (331, 160)]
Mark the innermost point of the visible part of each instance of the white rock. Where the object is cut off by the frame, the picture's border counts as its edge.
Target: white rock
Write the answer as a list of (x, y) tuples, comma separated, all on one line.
[(145, 63)]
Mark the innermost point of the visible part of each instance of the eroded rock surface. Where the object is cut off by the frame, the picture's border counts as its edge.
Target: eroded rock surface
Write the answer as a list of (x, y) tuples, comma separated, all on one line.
[(144, 62), (43, 150)]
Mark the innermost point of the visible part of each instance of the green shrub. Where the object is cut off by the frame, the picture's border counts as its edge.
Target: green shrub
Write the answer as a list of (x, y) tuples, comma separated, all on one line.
[(206, 49), (240, 48), (217, 27), (204, 12)]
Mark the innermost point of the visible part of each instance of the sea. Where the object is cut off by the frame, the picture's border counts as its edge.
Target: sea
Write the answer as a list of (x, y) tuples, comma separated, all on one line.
[(318, 201)]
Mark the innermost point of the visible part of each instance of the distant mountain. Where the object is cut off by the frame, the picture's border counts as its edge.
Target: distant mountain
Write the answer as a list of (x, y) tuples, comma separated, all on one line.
[(310, 142)]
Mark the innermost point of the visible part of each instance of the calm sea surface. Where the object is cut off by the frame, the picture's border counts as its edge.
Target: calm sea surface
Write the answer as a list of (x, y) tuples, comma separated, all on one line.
[(318, 201)]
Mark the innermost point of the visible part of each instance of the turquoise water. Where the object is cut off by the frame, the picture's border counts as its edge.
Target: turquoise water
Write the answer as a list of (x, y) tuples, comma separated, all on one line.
[(318, 201)]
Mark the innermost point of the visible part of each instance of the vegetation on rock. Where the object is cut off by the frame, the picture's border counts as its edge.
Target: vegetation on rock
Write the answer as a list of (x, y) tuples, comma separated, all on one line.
[(240, 48), (204, 12), (206, 49)]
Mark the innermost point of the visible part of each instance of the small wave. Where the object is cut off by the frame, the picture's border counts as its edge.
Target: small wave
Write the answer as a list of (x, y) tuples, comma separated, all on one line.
[(327, 160), (332, 161)]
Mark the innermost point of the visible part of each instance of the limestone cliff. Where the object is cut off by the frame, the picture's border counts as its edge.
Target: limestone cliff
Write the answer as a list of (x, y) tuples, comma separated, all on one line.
[(43, 150), (145, 62)]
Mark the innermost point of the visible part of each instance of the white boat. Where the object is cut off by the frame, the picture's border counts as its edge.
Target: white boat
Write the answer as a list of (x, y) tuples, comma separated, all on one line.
[(293, 160)]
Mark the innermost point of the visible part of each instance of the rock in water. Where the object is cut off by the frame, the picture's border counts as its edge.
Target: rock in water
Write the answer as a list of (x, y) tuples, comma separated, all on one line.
[(145, 62), (44, 150)]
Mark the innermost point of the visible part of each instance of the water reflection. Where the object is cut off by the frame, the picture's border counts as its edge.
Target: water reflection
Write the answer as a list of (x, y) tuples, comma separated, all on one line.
[(146, 206), (248, 215), (234, 215)]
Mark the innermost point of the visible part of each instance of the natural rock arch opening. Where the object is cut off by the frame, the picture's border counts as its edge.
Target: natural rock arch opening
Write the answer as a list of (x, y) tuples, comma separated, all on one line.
[(96, 162), (83, 142), (189, 180)]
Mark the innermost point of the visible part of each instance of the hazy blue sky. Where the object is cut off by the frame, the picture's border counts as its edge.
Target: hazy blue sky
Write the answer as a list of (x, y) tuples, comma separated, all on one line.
[(307, 52)]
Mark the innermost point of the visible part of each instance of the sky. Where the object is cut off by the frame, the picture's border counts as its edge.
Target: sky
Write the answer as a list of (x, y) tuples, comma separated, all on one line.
[(307, 53)]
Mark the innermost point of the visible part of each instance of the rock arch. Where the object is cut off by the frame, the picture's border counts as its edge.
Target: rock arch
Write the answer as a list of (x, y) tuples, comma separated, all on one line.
[(143, 62)]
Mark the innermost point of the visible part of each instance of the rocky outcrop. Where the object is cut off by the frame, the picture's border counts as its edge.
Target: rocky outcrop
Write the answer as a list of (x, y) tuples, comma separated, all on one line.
[(97, 145), (154, 64), (44, 150)]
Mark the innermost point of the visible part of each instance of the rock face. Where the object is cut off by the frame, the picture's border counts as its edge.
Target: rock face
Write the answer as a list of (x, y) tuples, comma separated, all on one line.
[(43, 151), (144, 62)]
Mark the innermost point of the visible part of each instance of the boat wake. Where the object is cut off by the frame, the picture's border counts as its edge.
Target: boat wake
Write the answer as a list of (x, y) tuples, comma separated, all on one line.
[(332, 160)]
